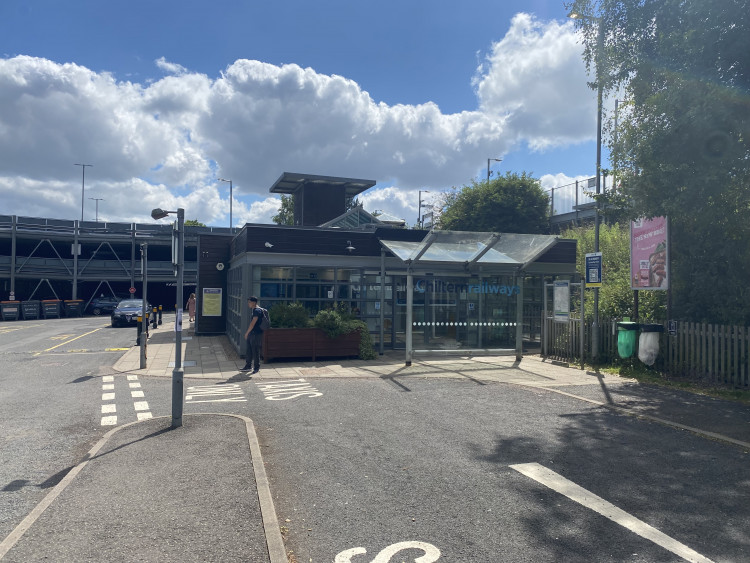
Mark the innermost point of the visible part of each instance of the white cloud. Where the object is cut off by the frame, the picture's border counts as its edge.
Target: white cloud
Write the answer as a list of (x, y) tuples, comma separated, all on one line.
[(170, 68), (164, 143), (535, 77)]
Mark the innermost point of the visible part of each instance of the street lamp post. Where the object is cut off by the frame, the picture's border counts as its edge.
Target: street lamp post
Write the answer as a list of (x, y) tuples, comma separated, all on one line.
[(599, 95), (231, 225), (97, 200), (178, 373), (83, 183), (419, 210), (488, 168)]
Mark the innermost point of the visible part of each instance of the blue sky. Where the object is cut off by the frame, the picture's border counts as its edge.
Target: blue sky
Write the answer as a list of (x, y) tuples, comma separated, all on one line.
[(165, 97)]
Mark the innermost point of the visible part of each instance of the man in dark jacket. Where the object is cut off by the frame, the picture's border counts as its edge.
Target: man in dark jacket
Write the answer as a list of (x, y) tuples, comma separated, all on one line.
[(253, 337)]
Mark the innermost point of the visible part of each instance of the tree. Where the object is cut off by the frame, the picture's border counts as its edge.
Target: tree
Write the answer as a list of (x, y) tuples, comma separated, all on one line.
[(194, 223), (684, 145), (510, 204), (285, 216)]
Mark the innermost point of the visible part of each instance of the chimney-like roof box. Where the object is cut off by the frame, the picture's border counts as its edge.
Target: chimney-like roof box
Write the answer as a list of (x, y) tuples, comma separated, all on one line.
[(318, 199)]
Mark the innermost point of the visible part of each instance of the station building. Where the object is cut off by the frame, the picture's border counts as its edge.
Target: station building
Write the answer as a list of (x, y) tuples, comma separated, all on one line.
[(417, 290)]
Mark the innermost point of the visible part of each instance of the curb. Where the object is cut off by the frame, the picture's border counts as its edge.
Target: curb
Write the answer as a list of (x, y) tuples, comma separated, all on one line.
[(274, 540)]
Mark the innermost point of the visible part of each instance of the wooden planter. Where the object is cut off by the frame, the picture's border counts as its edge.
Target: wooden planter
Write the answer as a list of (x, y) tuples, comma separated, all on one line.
[(312, 343)]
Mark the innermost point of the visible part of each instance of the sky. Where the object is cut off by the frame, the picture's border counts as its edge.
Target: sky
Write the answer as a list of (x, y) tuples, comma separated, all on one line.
[(163, 98)]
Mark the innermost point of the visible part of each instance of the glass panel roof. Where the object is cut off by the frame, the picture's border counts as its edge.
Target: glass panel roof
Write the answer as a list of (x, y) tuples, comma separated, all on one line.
[(459, 247)]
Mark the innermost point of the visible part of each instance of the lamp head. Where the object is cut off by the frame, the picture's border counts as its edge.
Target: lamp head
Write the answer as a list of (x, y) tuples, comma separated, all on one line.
[(159, 213)]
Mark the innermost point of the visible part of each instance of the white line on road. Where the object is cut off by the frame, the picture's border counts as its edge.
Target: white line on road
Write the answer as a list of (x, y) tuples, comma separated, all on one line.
[(109, 420), (558, 483), (136, 394), (141, 405), (107, 409), (108, 396)]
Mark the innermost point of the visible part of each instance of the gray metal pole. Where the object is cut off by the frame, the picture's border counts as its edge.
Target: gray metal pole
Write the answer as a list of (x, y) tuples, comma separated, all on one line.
[(144, 310), (76, 229), (178, 372), (409, 314), (599, 93), (382, 301), (13, 255), (519, 318)]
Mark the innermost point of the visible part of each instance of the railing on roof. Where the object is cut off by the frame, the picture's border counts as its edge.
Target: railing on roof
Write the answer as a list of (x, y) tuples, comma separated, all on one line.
[(64, 226), (572, 198)]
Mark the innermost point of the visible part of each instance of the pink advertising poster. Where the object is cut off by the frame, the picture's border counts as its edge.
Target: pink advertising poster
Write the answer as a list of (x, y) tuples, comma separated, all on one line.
[(649, 264)]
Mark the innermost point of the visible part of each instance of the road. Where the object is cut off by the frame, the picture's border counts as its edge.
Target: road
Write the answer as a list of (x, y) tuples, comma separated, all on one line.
[(455, 469), (50, 388)]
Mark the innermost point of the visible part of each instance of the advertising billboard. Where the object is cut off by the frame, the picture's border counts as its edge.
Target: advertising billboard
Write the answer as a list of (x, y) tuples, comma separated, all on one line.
[(649, 254)]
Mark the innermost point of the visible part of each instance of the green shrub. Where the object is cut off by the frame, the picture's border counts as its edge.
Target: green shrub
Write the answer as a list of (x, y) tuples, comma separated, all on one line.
[(289, 315), (340, 320)]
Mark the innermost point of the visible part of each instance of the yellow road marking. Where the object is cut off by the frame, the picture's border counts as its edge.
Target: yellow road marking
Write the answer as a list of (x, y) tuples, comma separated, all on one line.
[(68, 341), (60, 337)]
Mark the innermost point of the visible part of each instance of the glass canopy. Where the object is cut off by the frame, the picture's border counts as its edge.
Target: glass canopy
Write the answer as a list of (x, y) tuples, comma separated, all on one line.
[(467, 248)]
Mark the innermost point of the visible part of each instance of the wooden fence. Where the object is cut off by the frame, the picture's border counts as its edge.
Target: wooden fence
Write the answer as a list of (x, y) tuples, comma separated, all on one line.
[(715, 353)]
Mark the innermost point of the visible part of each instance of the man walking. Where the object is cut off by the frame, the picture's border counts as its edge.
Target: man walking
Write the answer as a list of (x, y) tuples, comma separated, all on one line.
[(253, 337)]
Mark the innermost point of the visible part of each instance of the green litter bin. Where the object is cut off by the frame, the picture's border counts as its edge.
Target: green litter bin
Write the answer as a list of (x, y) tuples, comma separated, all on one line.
[(626, 337)]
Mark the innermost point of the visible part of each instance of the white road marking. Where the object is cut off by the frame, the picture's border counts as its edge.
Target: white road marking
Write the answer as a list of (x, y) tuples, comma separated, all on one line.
[(109, 420), (288, 390), (108, 396), (108, 378), (106, 409), (136, 394), (431, 553), (144, 415), (132, 378), (141, 406), (108, 387), (135, 385), (558, 483), (222, 393)]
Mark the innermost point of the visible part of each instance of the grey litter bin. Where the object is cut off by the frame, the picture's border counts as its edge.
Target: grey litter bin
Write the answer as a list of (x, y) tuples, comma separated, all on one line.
[(11, 310)]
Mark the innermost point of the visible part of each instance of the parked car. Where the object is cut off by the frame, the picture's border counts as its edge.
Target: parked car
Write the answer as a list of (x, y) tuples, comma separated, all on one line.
[(103, 305), (127, 311)]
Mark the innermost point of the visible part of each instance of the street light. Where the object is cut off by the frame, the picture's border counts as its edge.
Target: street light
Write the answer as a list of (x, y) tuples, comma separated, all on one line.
[(230, 201), (97, 200), (83, 183), (178, 373), (488, 168), (599, 93), (419, 210)]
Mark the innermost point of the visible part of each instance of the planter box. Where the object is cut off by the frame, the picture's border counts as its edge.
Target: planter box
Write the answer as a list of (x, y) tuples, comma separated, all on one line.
[(312, 343)]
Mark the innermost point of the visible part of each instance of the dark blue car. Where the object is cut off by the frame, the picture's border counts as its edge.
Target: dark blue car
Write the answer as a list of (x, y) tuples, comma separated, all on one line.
[(127, 311)]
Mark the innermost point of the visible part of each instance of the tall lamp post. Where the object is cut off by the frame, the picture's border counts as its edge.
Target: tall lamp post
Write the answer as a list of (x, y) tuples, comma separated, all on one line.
[(178, 373), (488, 168), (419, 210), (97, 200), (83, 183), (599, 94), (231, 225)]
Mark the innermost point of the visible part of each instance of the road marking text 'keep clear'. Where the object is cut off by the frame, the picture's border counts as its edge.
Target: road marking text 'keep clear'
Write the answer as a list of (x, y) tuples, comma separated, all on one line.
[(288, 390)]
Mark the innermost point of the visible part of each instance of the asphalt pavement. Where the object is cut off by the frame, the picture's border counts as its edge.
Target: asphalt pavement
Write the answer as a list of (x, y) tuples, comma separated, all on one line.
[(199, 492)]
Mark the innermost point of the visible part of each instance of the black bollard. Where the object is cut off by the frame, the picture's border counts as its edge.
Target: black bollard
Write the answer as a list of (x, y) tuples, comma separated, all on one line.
[(160, 314), (140, 329), (156, 318)]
